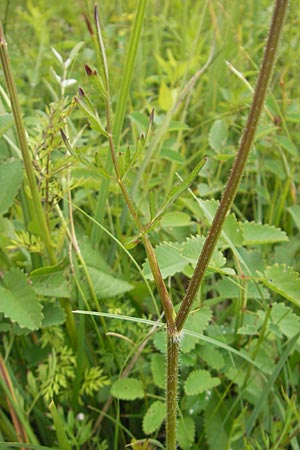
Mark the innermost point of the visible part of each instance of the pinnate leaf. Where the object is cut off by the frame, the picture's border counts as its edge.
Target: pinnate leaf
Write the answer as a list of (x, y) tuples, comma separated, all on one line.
[(199, 381), (218, 135), (154, 417), (169, 260), (127, 389), (18, 301)]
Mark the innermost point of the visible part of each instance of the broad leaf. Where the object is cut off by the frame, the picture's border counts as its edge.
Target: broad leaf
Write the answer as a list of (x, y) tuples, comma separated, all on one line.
[(256, 233), (107, 286), (197, 321), (218, 135), (285, 319), (169, 260), (6, 122), (185, 432), (191, 250), (54, 314), (158, 369), (200, 381), (154, 417), (294, 211), (215, 431), (127, 389), (53, 284), (18, 301), (11, 176), (284, 281)]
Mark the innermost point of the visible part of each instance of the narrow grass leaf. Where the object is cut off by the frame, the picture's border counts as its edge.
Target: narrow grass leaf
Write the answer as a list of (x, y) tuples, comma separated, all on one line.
[(59, 427)]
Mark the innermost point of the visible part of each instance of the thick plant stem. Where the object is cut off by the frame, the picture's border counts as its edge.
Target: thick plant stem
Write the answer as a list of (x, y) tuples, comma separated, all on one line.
[(173, 343), (240, 160), (31, 179)]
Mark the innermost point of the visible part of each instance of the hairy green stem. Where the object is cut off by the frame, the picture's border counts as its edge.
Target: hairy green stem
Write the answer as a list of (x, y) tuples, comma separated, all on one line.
[(173, 342), (36, 200), (240, 160)]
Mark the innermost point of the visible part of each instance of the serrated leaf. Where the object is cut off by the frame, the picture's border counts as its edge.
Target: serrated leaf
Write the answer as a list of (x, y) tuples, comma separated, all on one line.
[(160, 342), (18, 301), (191, 250), (54, 315), (284, 281), (257, 233), (6, 122), (200, 381), (285, 319), (197, 321), (169, 260), (107, 286), (154, 417), (11, 176), (158, 369), (186, 432), (127, 389), (212, 357), (218, 135), (51, 285)]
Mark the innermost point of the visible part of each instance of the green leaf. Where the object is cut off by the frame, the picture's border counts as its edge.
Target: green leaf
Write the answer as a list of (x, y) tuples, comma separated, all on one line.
[(285, 319), (127, 389), (6, 122), (18, 301), (54, 284), (212, 357), (294, 211), (172, 155), (154, 417), (216, 433), (175, 219), (165, 98), (270, 383), (11, 176), (169, 260), (54, 315), (218, 135), (197, 321), (178, 189), (186, 432), (158, 369), (287, 144), (284, 281), (59, 427), (191, 250), (200, 381), (107, 286), (256, 233)]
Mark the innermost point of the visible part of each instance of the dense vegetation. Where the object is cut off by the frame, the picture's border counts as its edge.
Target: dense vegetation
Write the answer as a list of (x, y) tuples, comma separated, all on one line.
[(96, 381)]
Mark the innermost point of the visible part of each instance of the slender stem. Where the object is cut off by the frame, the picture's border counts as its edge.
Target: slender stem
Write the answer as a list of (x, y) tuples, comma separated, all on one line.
[(240, 160), (172, 386), (36, 200), (119, 114)]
